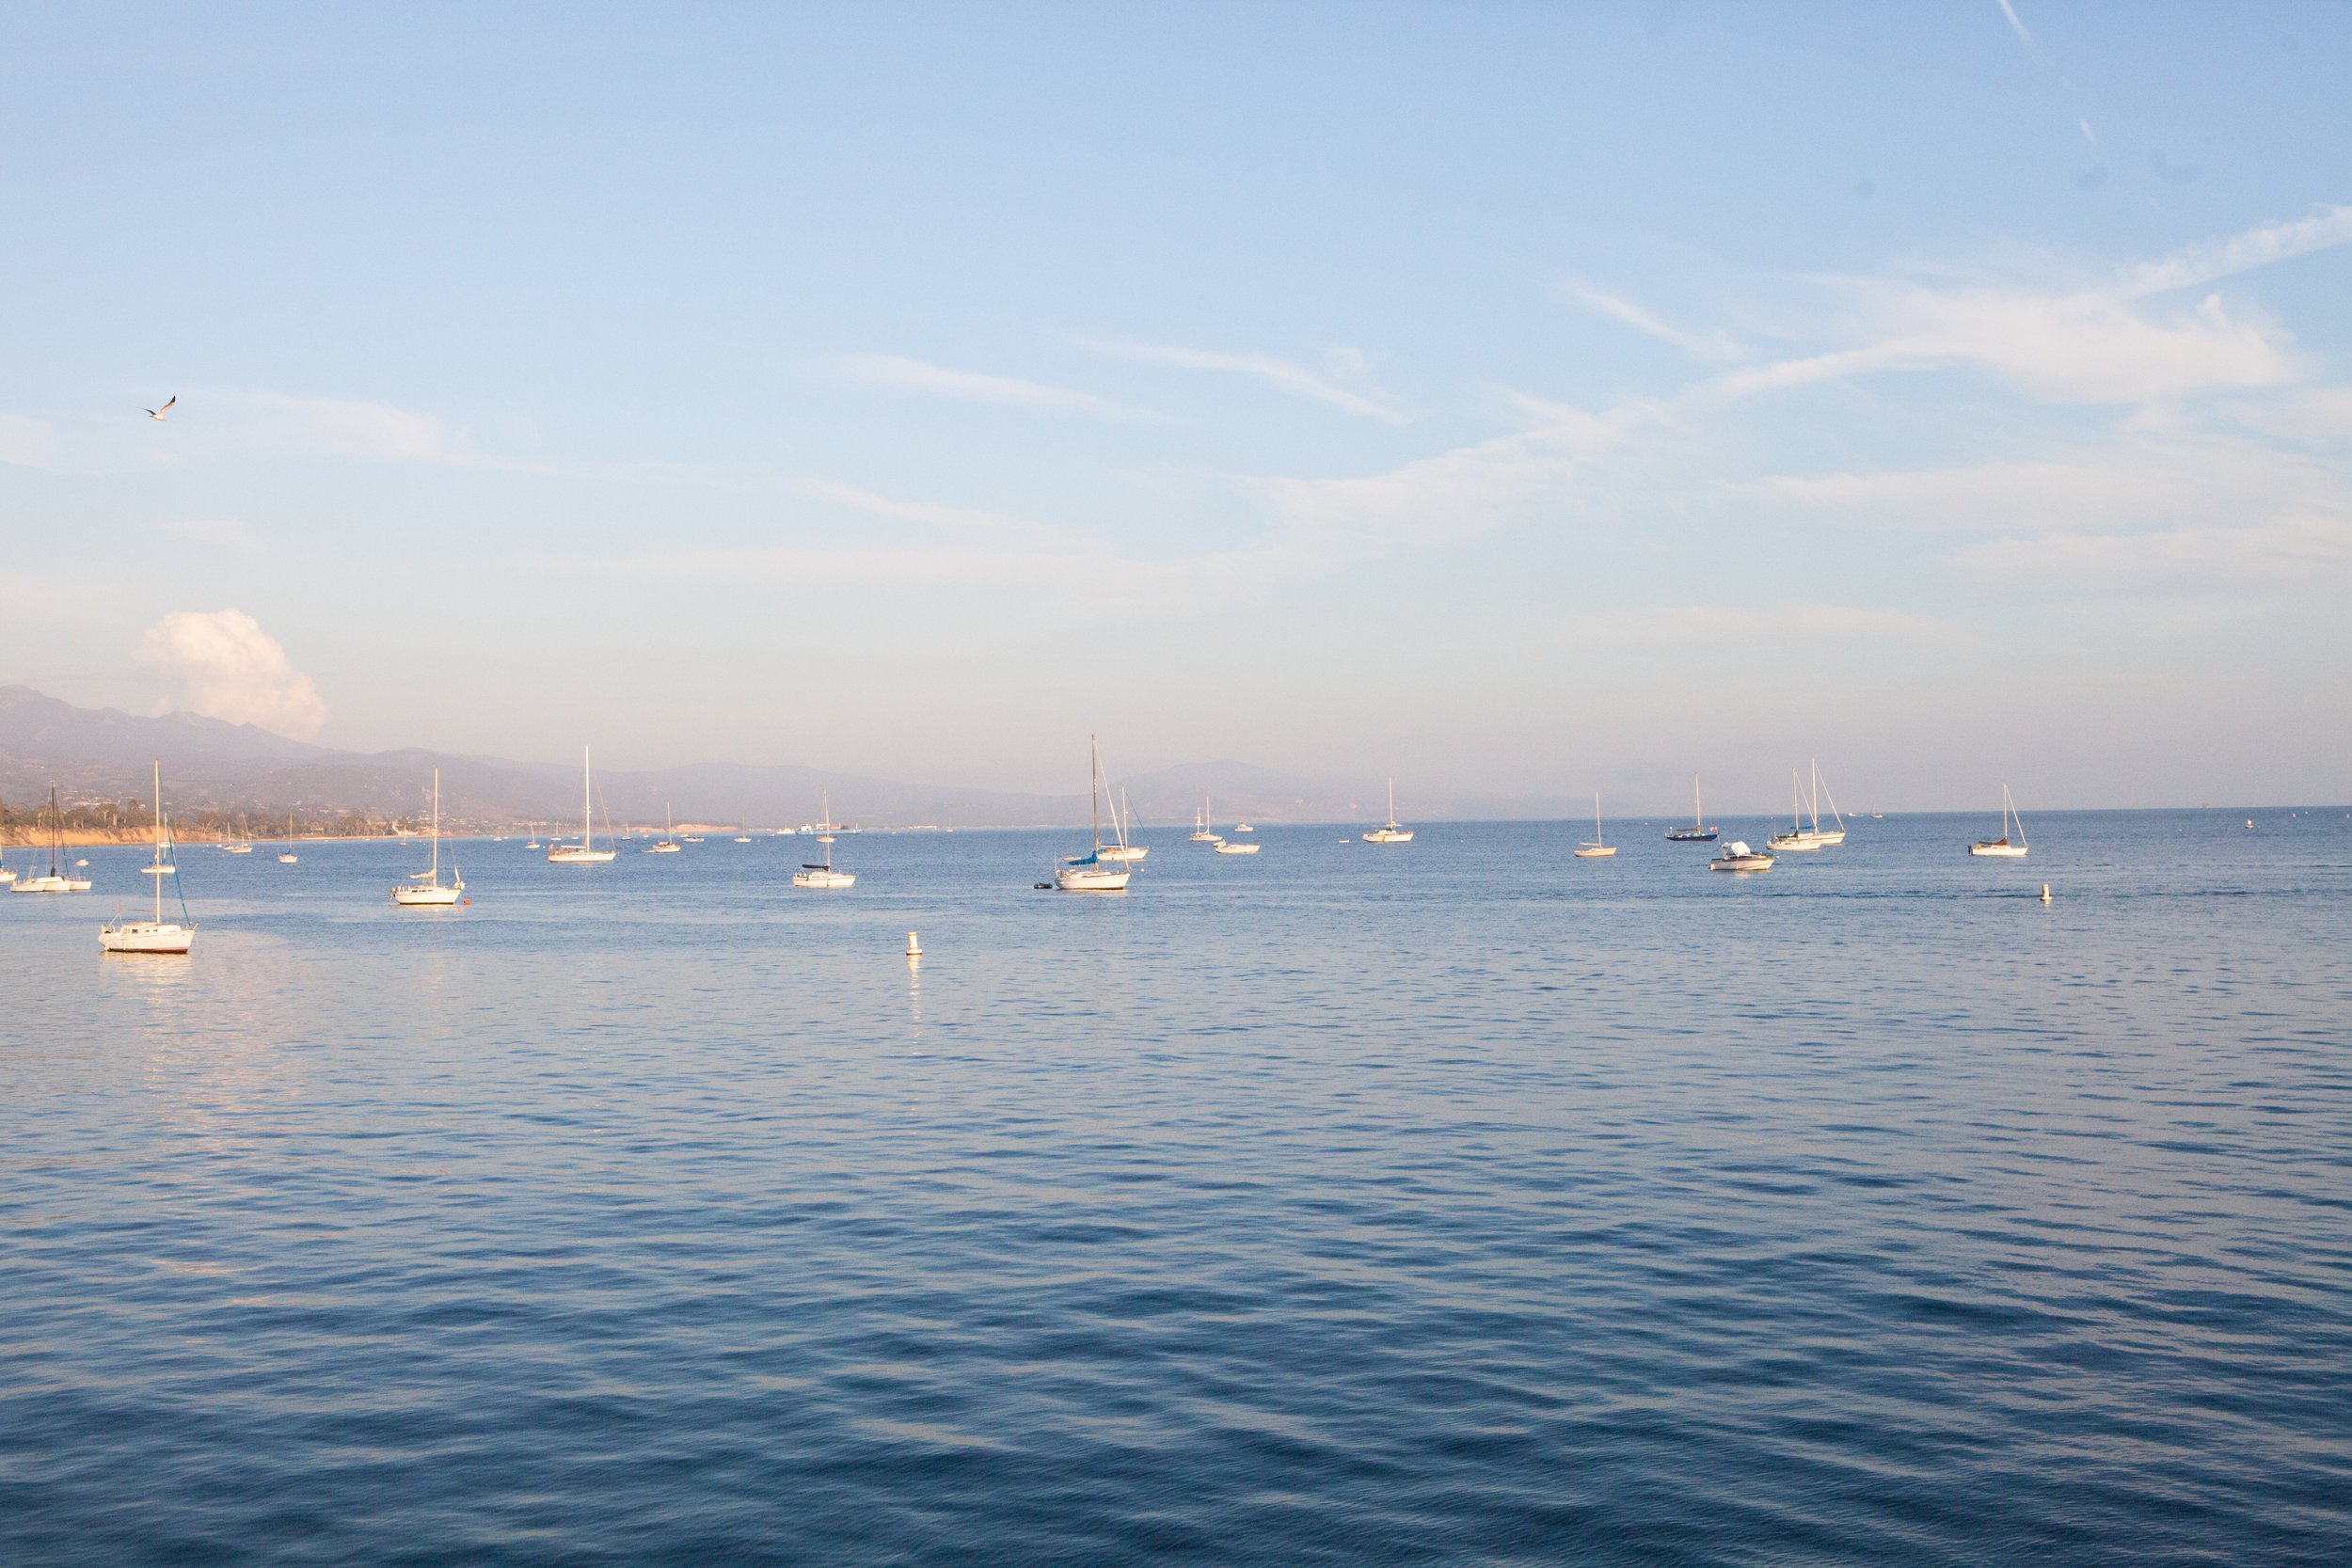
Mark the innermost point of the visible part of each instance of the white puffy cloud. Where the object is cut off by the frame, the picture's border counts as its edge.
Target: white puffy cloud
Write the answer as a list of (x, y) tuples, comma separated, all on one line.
[(226, 667)]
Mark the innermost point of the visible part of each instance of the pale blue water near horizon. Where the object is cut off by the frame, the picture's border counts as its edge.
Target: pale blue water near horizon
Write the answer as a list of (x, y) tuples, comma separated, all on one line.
[(1454, 1202)]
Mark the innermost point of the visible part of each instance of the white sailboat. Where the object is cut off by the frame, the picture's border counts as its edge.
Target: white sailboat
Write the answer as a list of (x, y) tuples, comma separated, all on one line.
[(585, 852), (1126, 850), (2004, 848), (1201, 830), (157, 934), (1796, 840), (1090, 872), (1227, 846), (241, 844), (665, 845), (1393, 834), (1595, 850), (287, 855), (58, 880), (425, 888), (824, 875), (532, 842)]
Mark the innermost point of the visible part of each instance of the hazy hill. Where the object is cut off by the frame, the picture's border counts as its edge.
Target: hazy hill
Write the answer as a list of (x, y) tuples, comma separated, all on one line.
[(102, 754)]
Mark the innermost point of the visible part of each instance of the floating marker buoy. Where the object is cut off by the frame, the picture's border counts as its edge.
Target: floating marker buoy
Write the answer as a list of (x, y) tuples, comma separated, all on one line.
[(2045, 892), (914, 948)]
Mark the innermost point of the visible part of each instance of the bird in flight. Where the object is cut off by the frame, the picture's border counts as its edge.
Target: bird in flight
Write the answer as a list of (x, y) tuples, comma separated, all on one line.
[(159, 413)]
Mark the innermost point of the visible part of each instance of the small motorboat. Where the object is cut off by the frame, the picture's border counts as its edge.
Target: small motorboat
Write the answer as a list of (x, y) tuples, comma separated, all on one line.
[(1226, 847), (1736, 855)]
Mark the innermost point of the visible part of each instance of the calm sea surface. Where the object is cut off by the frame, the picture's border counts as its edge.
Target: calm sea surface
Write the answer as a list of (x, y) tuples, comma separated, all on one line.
[(1455, 1201)]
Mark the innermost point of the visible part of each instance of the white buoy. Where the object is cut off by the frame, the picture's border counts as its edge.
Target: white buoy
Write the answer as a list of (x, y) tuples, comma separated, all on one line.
[(914, 948), (2045, 892)]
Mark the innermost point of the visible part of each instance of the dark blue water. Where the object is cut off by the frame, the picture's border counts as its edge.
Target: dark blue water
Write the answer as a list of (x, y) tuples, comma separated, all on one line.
[(1456, 1201)]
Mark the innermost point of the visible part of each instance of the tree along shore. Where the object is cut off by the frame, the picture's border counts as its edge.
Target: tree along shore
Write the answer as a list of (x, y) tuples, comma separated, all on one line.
[(133, 822)]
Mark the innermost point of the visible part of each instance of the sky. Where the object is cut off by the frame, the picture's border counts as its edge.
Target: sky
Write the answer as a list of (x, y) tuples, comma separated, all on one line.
[(1535, 399)]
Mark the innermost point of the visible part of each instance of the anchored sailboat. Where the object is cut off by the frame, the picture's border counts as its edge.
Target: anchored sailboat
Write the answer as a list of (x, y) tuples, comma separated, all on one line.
[(1805, 837), (157, 934), (287, 855), (665, 845), (2005, 847), (1597, 850), (1202, 833), (1698, 831), (1092, 872), (1796, 840), (1392, 833), (1125, 851), (824, 875), (585, 852), (58, 880), (425, 888)]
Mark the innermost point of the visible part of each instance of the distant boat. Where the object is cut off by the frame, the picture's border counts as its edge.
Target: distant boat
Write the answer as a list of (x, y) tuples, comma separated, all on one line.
[(425, 888), (1227, 847), (1595, 850), (1202, 832), (1090, 872), (742, 840), (1698, 831), (824, 875), (288, 857), (1244, 828), (585, 852), (57, 880), (2004, 848), (664, 845), (533, 842), (157, 934), (1804, 837), (1393, 834), (1736, 855)]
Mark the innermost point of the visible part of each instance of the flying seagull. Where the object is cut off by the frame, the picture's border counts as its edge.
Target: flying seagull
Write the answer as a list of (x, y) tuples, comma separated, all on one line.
[(159, 413)]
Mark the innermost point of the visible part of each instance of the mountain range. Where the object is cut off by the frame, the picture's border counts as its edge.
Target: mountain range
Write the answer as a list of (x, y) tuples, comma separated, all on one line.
[(103, 754)]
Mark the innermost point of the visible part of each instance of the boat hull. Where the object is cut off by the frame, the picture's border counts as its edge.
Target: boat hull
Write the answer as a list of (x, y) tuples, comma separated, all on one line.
[(1998, 852), (1691, 835), (1236, 848), (1597, 852), (1389, 836), (50, 884), (1087, 879), (827, 880), (1126, 853), (426, 897), (581, 857), (1795, 845), (1740, 863), (147, 936)]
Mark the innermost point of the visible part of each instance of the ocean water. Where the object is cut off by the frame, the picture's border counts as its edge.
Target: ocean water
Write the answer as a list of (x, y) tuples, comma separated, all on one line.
[(1457, 1201)]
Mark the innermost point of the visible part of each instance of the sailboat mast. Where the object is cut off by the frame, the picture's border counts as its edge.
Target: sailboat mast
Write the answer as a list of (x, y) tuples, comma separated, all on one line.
[(1698, 813), (158, 878), (1094, 781), (436, 827), (584, 840)]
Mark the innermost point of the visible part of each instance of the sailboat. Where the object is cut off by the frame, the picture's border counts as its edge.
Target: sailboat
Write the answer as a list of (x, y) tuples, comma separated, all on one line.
[(533, 842), (824, 875), (1201, 830), (1810, 835), (2004, 846), (56, 881), (1698, 831), (241, 844), (665, 845), (157, 934), (1392, 833), (425, 888), (287, 856), (1595, 850), (585, 852), (1124, 850), (1796, 840), (1090, 872)]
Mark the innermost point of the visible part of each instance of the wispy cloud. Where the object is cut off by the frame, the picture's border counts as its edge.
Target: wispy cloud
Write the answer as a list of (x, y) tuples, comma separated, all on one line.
[(27, 443), (2257, 247), (966, 520), (1703, 345), (224, 533), (1286, 374), (1664, 628), (929, 380), (2306, 549)]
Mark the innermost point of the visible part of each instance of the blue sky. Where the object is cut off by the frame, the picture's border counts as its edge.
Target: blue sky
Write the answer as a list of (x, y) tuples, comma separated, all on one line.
[(1526, 398)]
